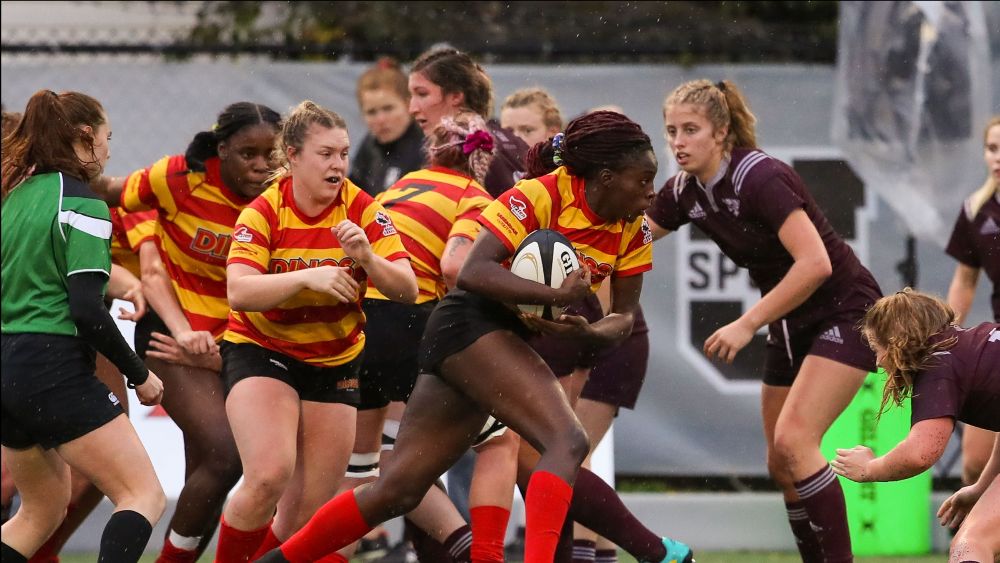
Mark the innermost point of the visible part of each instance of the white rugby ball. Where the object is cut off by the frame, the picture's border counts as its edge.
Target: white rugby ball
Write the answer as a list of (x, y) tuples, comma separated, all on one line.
[(544, 256)]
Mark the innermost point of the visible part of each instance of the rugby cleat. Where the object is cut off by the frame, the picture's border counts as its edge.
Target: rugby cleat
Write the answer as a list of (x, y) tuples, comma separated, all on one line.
[(677, 552)]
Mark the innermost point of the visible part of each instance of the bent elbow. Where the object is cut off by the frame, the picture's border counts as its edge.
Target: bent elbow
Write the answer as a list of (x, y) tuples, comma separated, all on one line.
[(823, 268), (235, 297)]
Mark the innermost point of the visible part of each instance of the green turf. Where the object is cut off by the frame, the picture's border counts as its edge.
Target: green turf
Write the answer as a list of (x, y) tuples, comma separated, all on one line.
[(702, 557)]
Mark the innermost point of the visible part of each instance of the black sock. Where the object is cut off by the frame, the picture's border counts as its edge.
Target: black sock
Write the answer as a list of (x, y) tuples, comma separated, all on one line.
[(10, 555), (125, 537)]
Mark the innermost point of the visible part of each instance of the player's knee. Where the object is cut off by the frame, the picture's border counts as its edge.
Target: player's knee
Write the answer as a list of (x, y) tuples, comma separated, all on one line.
[(576, 443), (399, 492), (268, 482), (225, 467)]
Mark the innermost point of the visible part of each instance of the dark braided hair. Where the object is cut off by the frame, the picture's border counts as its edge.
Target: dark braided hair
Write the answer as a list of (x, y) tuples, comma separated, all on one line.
[(232, 120), (591, 143)]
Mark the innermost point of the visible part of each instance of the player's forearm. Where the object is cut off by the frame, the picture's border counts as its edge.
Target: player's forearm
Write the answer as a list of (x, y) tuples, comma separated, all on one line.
[(962, 291), (802, 280), (394, 279), (263, 292)]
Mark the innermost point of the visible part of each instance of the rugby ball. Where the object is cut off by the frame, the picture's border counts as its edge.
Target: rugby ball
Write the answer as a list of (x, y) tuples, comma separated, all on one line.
[(544, 256)]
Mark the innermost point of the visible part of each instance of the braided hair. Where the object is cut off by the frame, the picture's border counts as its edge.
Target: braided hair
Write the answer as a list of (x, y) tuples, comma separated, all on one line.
[(591, 143), (232, 120)]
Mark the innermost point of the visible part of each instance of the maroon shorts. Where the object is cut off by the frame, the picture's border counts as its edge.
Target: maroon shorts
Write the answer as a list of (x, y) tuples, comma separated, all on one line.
[(563, 355), (617, 377), (828, 328)]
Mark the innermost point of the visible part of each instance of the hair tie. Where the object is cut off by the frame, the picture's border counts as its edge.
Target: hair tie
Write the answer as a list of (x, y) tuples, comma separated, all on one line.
[(721, 86), (557, 147), (477, 140), (215, 127)]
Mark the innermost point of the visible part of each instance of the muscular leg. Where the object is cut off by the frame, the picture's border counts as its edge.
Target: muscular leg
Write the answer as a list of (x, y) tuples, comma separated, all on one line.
[(43, 481), (772, 399), (822, 390), (976, 447), (325, 437), (978, 539), (195, 401), (113, 458), (85, 496)]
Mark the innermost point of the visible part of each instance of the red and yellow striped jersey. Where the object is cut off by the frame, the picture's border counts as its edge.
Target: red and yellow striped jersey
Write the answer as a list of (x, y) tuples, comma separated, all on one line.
[(128, 231), (195, 217), (429, 207), (273, 236), (556, 201)]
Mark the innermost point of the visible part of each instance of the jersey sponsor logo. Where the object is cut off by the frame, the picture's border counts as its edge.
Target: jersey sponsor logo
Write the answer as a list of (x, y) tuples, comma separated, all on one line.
[(211, 243), (832, 335), (647, 233), (242, 234), (282, 265), (386, 223), (113, 398), (733, 205), (713, 291), (518, 208), (989, 227)]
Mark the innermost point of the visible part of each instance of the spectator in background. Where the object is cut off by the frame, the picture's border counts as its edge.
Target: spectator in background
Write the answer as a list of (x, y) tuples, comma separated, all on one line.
[(975, 244), (393, 146), (532, 114)]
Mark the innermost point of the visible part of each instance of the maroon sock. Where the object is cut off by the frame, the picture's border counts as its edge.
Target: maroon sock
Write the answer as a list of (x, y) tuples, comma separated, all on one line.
[(584, 551), (599, 508), (606, 556), (805, 537), (564, 549), (427, 548), (459, 544), (823, 499)]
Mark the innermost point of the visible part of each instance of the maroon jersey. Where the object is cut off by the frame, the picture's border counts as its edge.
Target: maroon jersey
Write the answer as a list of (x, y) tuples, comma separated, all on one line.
[(743, 207), (507, 167), (962, 382), (975, 242)]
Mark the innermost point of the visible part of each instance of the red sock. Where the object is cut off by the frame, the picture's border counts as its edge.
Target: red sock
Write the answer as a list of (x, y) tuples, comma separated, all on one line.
[(489, 528), (237, 546), (269, 542), (335, 525), (173, 554), (546, 503)]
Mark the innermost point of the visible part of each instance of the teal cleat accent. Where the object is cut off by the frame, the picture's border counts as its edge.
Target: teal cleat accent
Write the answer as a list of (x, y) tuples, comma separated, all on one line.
[(677, 552)]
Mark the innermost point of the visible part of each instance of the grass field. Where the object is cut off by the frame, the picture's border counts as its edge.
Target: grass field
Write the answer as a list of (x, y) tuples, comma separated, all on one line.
[(706, 557)]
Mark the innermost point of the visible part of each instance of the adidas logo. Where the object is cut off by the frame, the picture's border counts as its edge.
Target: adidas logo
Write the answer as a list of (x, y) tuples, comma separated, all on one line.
[(989, 227), (833, 335), (696, 212)]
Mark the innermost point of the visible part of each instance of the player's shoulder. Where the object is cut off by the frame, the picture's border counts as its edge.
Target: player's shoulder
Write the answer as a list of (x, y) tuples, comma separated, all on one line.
[(752, 167), (73, 187)]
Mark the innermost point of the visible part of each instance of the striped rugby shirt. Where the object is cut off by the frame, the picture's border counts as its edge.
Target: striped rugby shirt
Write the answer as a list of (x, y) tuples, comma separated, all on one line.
[(128, 232), (556, 201), (428, 207), (195, 217), (273, 236)]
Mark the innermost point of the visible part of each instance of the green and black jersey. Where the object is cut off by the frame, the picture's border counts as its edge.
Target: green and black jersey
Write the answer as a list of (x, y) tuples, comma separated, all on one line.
[(53, 226)]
